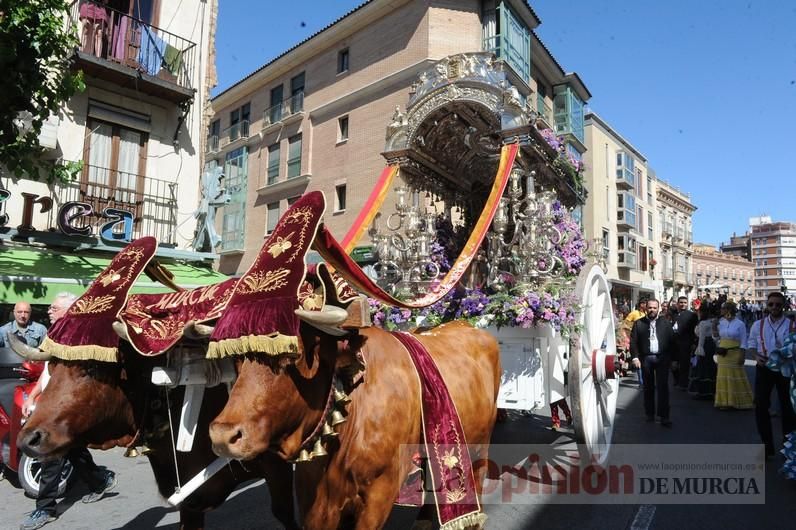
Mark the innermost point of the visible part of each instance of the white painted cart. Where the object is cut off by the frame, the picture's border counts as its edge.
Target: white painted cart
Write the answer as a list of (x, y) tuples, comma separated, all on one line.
[(536, 360)]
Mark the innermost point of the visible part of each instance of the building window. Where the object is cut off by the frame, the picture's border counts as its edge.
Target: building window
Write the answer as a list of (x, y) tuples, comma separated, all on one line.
[(507, 36), (625, 168), (626, 245), (568, 112), (606, 244), (114, 167), (213, 132), (642, 252), (297, 93), (342, 129), (640, 183), (294, 157), (640, 217), (239, 122), (233, 226), (649, 189), (275, 108), (273, 217), (273, 163), (626, 208), (342, 61), (339, 197), (650, 231)]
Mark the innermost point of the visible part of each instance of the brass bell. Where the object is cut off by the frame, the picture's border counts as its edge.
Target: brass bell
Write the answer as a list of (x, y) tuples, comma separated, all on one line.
[(303, 456), (341, 397), (145, 450), (337, 418), (328, 431), (318, 450), (131, 452)]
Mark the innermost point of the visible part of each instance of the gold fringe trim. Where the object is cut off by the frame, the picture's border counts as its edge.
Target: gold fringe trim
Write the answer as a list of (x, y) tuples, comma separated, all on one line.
[(275, 345), (471, 520), (85, 352)]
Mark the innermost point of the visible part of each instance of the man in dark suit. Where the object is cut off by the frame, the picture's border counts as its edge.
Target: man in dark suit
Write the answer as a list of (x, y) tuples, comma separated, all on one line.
[(652, 347), (685, 339)]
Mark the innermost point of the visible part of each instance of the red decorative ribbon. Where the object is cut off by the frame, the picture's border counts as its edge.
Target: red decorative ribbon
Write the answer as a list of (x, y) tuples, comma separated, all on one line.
[(337, 255), (371, 208)]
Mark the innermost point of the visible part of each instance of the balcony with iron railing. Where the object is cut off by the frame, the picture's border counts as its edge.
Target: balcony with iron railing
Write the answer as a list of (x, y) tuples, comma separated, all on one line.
[(130, 52), (285, 111), (234, 132), (153, 202)]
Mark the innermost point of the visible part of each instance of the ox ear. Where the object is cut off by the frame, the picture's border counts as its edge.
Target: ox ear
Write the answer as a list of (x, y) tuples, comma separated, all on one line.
[(350, 359)]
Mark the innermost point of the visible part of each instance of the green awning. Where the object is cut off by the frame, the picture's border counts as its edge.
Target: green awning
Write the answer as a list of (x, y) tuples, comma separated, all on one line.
[(37, 275)]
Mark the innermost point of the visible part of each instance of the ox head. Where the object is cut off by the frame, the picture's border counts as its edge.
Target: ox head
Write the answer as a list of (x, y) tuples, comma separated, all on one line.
[(278, 400), (84, 404), (89, 402)]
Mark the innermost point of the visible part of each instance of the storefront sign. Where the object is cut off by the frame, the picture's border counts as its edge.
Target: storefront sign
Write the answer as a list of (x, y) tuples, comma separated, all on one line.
[(116, 225)]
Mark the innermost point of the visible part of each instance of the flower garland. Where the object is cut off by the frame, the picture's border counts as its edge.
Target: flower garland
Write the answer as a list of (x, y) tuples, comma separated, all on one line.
[(565, 161), (552, 303)]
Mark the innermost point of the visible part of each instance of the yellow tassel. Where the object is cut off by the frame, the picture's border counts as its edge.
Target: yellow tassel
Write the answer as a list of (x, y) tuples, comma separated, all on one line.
[(275, 345), (470, 520), (85, 352)]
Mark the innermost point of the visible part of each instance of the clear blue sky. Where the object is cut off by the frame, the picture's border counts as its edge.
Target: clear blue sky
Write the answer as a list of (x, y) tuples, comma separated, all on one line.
[(704, 89)]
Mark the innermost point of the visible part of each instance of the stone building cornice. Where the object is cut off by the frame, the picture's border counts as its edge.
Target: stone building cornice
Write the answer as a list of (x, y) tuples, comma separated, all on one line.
[(668, 198)]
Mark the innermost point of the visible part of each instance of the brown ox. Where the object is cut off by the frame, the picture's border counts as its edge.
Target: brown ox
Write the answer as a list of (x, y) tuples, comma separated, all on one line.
[(274, 409), (105, 404)]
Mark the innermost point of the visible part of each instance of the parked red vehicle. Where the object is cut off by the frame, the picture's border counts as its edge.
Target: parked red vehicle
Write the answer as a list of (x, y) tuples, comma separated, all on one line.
[(17, 378)]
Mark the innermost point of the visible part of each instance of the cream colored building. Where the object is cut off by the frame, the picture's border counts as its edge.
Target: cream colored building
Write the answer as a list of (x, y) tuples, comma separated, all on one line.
[(138, 130), (138, 127), (774, 258), (619, 216), (675, 211), (315, 117), (717, 272)]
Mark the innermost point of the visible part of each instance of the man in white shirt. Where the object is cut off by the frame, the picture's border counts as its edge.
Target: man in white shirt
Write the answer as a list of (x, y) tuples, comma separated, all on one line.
[(768, 334)]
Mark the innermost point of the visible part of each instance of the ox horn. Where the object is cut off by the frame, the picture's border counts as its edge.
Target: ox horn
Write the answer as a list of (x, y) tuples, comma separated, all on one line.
[(121, 330), (328, 316), (23, 350), (194, 330)]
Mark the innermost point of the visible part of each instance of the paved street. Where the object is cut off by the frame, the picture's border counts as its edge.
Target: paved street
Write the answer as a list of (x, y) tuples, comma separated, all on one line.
[(136, 505)]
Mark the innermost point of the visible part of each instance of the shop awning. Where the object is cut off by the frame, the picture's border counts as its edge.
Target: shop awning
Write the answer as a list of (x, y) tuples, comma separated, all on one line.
[(37, 275)]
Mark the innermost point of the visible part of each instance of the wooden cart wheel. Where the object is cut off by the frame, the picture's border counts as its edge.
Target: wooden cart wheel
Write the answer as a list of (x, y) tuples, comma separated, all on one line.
[(593, 385)]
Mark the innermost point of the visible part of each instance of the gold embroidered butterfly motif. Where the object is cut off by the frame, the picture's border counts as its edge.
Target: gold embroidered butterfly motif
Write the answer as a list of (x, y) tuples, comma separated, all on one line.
[(281, 245)]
